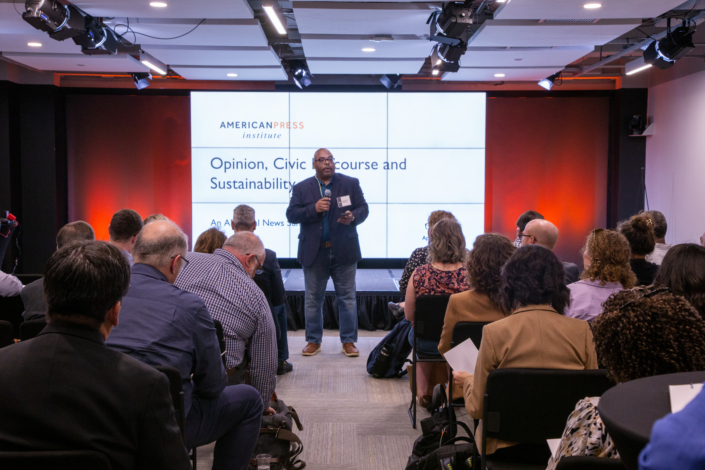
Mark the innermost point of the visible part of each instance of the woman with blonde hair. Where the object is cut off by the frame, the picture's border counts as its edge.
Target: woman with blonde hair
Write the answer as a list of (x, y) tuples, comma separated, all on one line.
[(607, 271)]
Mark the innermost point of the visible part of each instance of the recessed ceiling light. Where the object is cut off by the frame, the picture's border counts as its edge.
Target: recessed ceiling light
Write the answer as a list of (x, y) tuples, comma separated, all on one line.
[(592, 6), (157, 4), (518, 59), (34, 44), (435, 72), (368, 49), (499, 75), (232, 75)]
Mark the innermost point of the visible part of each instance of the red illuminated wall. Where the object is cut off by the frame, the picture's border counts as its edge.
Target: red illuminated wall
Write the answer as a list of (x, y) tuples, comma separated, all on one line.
[(545, 154)]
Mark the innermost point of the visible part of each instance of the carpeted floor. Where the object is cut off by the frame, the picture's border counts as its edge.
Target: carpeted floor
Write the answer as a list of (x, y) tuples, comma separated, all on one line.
[(351, 420)]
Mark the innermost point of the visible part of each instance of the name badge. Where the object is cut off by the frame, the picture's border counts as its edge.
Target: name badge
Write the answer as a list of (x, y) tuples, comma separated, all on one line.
[(344, 201)]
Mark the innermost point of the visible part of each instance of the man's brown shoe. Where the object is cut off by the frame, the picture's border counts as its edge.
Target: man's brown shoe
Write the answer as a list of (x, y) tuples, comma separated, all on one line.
[(350, 350), (311, 349)]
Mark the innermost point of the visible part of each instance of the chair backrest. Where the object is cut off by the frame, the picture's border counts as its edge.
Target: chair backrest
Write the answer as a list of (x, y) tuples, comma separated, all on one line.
[(464, 330), (221, 338), (7, 333), (532, 405), (11, 309), (589, 463), (62, 459), (177, 394), (429, 316), (32, 328)]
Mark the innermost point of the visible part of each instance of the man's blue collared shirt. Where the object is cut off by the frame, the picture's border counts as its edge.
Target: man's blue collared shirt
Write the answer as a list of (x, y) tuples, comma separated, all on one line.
[(160, 324), (325, 236)]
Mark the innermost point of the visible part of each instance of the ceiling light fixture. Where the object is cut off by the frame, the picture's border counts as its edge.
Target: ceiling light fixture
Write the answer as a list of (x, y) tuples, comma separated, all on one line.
[(368, 49), (276, 22), (34, 44), (548, 82), (592, 6), (677, 43), (158, 4), (636, 66), (501, 1), (499, 75), (141, 79), (390, 81), (154, 67), (435, 72), (232, 75)]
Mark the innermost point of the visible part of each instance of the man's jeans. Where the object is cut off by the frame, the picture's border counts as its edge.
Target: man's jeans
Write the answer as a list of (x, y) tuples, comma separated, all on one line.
[(316, 277), (233, 420), (279, 314)]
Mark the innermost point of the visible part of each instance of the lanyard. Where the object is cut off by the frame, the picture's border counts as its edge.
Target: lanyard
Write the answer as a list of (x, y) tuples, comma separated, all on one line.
[(320, 189)]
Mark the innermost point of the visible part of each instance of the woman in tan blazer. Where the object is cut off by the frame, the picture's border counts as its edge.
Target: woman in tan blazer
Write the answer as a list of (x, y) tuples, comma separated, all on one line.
[(536, 335), (481, 303)]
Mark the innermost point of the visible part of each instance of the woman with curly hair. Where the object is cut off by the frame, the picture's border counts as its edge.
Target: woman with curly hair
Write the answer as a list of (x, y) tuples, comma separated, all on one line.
[(683, 271), (606, 259), (444, 274), (209, 241), (675, 334), (536, 335), (639, 232), (482, 302)]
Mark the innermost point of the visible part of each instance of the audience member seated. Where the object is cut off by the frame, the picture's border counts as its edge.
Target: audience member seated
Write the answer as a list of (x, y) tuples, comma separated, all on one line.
[(544, 233), (445, 274), (677, 441), (524, 219), (482, 302), (224, 281), (209, 241), (635, 337), (270, 279), (639, 231), (161, 324), (66, 390), (35, 306), (683, 271), (123, 229), (660, 228), (607, 270), (419, 257), (10, 286), (154, 217), (535, 335)]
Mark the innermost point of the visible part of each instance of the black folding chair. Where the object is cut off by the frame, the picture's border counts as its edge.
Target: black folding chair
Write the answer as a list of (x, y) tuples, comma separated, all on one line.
[(529, 406), (11, 309), (32, 328), (177, 396), (589, 463), (64, 459), (462, 331), (428, 325), (221, 339), (7, 333)]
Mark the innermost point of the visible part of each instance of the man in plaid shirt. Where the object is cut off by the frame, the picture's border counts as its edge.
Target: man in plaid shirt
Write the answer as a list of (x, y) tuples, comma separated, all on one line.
[(224, 281)]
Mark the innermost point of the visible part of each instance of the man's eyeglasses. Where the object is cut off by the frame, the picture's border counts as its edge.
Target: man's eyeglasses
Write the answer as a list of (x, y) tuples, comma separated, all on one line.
[(660, 290), (186, 262), (259, 263), (522, 235), (321, 161)]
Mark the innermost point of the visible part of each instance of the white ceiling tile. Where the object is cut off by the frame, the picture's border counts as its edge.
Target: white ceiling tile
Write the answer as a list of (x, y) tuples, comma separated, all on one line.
[(362, 18), (562, 9), (496, 57), (18, 43), (221, 73), (528, 33), (231, 56), (413, 48), (361, 66), (175, 8), (78, 62), (510, 74)]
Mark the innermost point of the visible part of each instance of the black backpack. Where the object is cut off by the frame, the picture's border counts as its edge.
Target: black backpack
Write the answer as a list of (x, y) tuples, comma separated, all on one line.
[(437, 449), (388, 358)]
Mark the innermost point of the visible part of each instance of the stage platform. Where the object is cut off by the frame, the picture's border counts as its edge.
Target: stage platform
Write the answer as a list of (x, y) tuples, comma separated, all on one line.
[(375, 288)]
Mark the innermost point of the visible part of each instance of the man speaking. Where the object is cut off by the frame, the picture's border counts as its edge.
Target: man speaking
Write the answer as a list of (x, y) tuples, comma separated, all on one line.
[(328, 206)]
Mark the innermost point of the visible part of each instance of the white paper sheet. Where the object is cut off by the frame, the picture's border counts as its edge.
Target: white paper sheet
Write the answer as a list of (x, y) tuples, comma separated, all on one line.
[(553, 445), (681, 395), (463, 357)]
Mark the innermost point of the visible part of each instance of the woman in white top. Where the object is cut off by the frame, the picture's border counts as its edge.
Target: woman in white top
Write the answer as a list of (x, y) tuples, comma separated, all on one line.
[(606, 258)]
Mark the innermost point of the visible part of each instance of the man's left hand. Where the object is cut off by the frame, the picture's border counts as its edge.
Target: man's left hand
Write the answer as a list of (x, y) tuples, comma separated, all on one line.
[(346, 218)]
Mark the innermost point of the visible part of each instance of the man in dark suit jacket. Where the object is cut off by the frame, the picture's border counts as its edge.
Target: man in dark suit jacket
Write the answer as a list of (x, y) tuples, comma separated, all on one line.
[(544, 233), (328, 246), (269, 279), (65, 390)]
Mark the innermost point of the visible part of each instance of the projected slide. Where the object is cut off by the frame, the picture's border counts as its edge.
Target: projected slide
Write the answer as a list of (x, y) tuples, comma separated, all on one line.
[(412, 152)]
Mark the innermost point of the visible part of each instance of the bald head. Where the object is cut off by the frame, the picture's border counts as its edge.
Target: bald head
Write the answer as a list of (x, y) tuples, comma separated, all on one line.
[(159, 243), (322, 152), (244, 243), (542, 233)]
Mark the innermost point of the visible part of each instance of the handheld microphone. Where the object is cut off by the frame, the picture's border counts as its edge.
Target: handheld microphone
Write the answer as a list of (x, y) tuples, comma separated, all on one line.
[(327, 194)]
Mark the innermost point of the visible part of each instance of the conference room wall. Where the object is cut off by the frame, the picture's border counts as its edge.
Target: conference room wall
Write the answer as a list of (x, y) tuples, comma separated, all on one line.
[(546, 154)]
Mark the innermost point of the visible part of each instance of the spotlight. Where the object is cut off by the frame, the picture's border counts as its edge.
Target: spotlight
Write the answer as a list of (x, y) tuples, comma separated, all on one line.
[(677, 43), (300, 73), (391, 81), (142, 79), (60, 21), (97, 39), (446, 58), (548, 83), (452, 21)]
